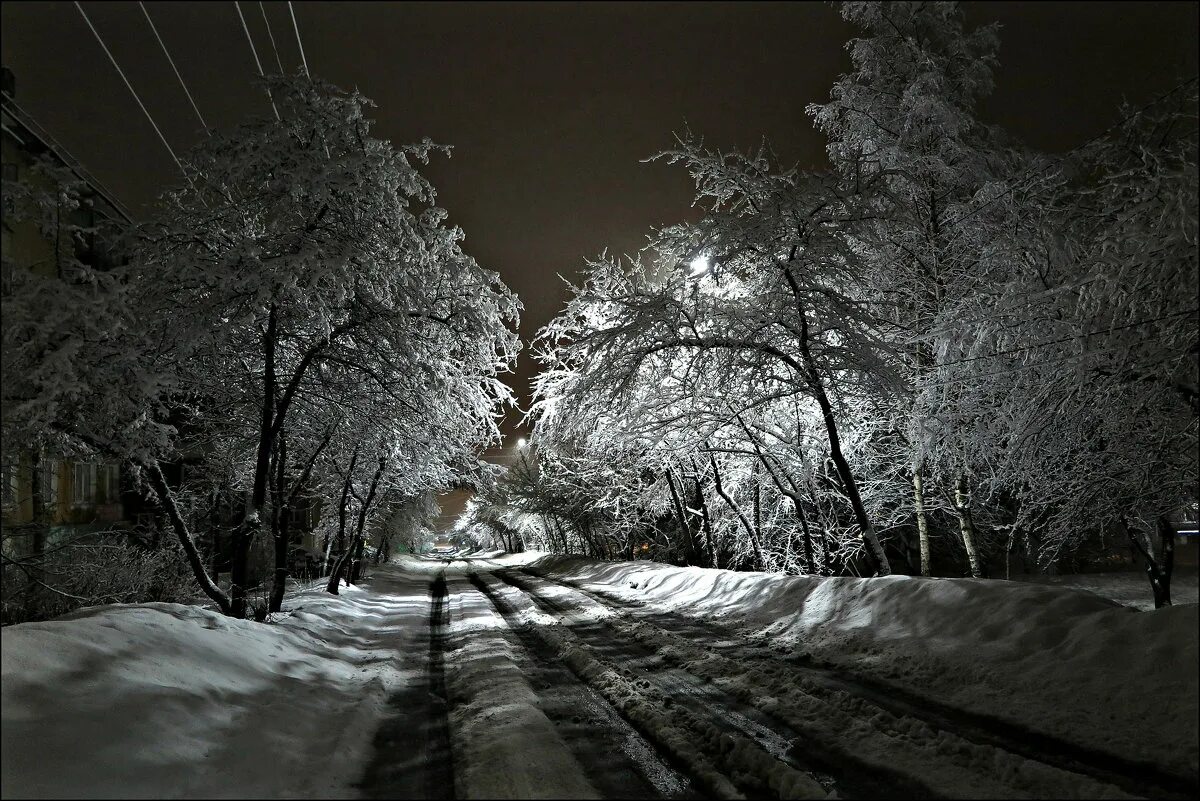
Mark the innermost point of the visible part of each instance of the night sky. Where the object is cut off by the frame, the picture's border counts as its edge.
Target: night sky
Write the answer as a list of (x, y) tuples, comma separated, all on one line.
[(551, 107)]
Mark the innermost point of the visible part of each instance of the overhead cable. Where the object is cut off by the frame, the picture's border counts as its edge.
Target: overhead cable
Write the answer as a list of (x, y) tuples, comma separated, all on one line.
[(271, 36), (254, 52), (298, 42), (167, 53), (132, 91)]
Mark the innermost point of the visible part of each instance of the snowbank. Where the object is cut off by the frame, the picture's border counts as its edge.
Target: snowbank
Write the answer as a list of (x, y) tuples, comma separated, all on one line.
[(1068, 663), (169, 701)]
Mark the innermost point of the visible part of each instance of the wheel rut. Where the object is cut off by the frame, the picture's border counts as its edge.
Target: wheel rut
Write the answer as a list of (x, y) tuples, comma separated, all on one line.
[(1133, 776), (412, 754), (892, 720), (720, 715), (617, 759)]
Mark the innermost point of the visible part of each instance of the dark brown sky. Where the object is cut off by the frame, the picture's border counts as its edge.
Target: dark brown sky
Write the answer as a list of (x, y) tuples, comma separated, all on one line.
[(549, 106)]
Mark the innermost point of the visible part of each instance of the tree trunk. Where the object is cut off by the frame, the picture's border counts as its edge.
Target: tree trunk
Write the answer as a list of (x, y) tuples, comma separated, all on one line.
[(38, 530), (335, 575), (922, 521), (962, 504), (705, 518), (562, 537), (239, 568), (737, 510), (1158, 572), (280, 520), (343, 506), (159, 483), (245, 534), (691, 549), (817, 387), (215, 526), (757, 501), (285, 502), (792, 492), (357, 546), (356, 562)]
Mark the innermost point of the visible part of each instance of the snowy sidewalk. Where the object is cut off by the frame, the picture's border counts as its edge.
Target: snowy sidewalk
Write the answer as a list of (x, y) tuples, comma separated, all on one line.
[(167, 700)]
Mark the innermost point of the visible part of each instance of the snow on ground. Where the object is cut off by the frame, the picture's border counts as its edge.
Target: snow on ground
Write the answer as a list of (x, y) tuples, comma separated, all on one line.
[(1126, 587), (1069, 663), (170, 701), (504, 745)]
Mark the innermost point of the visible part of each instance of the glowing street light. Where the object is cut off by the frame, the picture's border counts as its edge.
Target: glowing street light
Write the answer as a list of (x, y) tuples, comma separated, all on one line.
[(521, 442), (699, 266)]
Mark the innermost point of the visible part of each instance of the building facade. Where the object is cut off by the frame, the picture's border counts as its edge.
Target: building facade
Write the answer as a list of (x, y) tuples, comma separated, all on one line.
[(46, 497)]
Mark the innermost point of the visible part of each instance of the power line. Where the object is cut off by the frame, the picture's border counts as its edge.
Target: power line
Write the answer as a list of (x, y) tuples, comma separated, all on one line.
[(298, 42), (271, 36), (167, 53), (120, 72), (1032, 366), (254, 51), (1134, 324)]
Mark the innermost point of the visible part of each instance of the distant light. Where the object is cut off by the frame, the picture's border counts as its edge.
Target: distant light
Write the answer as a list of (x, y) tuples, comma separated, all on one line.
[(699, 265), (521, 442)]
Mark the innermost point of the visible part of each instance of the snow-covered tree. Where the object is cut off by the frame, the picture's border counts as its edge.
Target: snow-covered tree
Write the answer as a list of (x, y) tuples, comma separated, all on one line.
[(1081, 362), (905, 139), (304, 267)]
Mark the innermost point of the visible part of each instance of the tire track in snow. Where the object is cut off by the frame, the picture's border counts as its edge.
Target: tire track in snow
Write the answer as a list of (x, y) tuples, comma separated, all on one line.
[(855, 734), (617, 759), (1132, 776), (412, 753), (750, 750)]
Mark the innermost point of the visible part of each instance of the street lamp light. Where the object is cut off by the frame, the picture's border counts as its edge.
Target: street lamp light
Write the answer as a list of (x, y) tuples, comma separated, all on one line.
[(521, 443), (699, 266)]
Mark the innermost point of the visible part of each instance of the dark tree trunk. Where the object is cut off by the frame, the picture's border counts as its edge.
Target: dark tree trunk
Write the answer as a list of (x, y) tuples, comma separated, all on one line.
[(335, 574), (691, 551), (356, 563), (280, 514), (38, 529), (356, 546), (167, 500), (1159, 572), (251, 526), (562, 535), (285, 503), (792, 492), (737, 510), (214, 522), (705, 518), (817, 386)]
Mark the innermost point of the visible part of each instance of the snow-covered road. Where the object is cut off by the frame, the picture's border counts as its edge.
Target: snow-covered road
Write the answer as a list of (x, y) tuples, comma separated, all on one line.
[(663, 705), (544, 677)]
